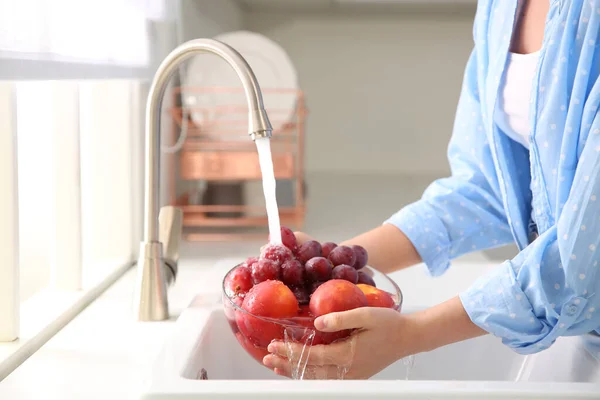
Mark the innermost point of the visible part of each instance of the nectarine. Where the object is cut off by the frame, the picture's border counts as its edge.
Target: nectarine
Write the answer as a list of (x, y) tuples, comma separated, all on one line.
[(336, 295), (270, 299), (376, 297), (238, 281)]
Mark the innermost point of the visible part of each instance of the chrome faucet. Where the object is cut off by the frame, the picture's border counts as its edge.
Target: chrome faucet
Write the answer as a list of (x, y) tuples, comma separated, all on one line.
[(159, 250)]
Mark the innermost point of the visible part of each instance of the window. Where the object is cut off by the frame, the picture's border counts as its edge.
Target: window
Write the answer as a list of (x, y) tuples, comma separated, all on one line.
[(74, 222), (71, 157)]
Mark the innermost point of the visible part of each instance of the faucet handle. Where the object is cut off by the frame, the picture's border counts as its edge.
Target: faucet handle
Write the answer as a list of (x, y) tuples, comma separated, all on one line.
[(170, 225)]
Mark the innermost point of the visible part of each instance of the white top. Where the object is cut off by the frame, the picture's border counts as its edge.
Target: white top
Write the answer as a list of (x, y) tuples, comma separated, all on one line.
[(512, 108)]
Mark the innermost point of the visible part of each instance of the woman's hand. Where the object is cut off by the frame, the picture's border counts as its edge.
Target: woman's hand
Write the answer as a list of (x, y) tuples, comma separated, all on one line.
[(382, 337), (302, 237)]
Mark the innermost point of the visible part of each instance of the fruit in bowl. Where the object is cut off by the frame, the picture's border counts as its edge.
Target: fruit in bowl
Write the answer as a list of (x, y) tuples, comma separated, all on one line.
[(278, 295)]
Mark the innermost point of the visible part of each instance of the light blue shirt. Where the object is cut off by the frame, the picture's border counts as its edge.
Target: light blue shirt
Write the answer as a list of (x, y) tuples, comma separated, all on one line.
[(552, 287)]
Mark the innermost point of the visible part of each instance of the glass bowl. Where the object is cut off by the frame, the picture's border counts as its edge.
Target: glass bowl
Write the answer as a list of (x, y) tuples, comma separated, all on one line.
[(255, 332)]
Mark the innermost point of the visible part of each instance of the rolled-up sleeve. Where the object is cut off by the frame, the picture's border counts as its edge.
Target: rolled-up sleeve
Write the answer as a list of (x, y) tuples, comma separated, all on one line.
[(552, 287), (464, 212)]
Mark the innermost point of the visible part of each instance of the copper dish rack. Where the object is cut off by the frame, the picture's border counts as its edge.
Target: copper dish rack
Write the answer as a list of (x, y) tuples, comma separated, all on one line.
[(222, 152)]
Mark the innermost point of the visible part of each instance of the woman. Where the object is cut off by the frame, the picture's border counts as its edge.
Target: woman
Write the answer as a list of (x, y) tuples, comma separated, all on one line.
[(525, 160)]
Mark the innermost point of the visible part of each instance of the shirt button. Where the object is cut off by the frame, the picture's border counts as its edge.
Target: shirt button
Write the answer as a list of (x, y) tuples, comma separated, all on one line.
[(572, 310)]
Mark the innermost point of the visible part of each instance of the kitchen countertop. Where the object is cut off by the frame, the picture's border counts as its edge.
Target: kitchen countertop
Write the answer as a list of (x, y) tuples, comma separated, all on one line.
[(103, 353)]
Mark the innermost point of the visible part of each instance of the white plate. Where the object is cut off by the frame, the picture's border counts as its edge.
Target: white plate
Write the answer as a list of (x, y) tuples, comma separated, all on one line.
[(272, 67)]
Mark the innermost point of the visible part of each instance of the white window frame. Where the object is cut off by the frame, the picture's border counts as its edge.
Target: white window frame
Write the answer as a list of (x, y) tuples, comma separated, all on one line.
[(9, 228), (39, 318)]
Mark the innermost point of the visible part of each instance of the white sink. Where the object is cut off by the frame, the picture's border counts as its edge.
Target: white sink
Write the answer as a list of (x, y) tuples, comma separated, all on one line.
[(478, 368)]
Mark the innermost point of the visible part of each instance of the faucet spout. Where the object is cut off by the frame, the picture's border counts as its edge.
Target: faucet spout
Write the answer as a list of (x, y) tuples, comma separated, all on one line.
[(153, 274)]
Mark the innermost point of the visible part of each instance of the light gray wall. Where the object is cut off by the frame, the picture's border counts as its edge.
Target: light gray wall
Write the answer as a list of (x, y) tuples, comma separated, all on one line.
[(207, 18), (204, 19), (381, 89)]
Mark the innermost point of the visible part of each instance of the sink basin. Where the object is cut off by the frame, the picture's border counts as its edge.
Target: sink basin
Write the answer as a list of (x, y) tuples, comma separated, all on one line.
[(461, 361), (478, 367), (202, 340)]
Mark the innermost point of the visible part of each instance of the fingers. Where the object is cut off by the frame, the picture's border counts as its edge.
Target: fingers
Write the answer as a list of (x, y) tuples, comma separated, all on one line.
[(338, 353), (284, 367), (353, 319), (288, 350), (302, 237)]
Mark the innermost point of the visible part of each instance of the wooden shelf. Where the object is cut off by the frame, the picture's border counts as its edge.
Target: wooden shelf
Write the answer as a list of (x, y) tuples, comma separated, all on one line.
[(200, 220), (222, 152), (231, 166)]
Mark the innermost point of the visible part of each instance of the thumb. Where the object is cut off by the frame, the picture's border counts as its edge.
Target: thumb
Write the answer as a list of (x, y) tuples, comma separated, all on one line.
[(302, 237), (339, 321)]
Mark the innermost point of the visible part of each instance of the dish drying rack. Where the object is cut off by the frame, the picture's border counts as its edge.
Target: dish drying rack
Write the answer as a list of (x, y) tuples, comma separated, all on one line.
[(219, 150)]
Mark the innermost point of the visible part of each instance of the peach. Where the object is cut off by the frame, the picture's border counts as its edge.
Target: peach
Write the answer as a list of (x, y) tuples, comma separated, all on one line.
[(272, 300), (238, 281), (377, 297), (336, 295)]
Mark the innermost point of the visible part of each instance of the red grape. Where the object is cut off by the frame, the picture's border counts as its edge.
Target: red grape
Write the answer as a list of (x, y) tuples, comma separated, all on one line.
[(308, 250), (313, 286), (288, 238), (318, 269), (345, 272), (249, 261), (342, 255), (301, 294), (327, 247), (366, 279), (265, 270), (292, 272), (279, 254), (238, 281), (362, 257)]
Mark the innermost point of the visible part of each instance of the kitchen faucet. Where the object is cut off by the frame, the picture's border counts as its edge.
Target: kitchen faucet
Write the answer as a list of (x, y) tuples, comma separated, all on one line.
[(159, 250)]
